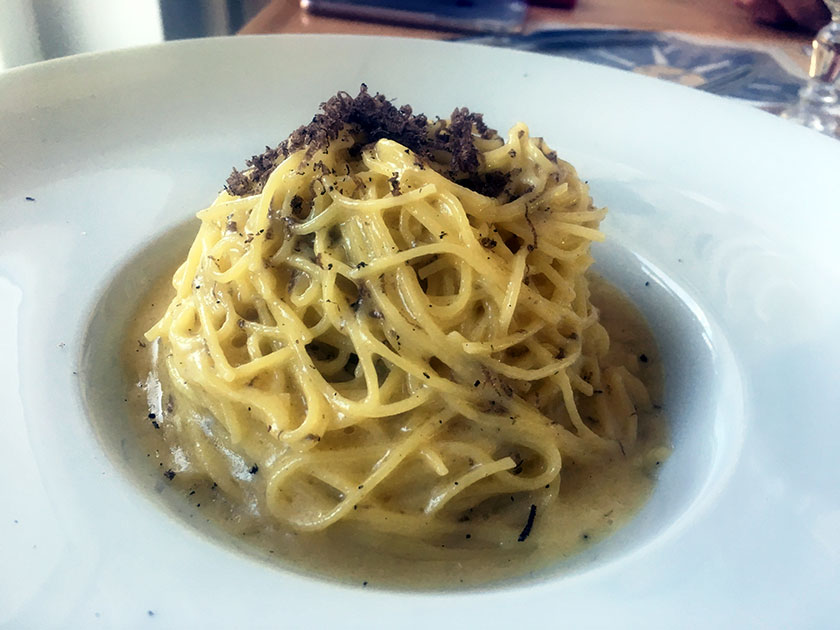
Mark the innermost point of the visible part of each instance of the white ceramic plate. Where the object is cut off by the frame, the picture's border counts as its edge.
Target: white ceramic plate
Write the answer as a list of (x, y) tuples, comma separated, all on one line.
[(729, 215)]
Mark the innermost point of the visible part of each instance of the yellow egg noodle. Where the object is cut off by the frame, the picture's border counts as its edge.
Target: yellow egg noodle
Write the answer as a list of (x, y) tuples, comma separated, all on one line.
[(389, 347)]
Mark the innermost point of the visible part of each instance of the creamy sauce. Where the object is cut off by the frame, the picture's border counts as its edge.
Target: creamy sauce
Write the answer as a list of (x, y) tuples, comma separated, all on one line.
[(592, 501)]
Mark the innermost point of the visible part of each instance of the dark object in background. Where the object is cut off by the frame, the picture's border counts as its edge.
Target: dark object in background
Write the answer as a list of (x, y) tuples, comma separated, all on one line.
[(557, 4), (752, 74), (482, 16), (186, 19)]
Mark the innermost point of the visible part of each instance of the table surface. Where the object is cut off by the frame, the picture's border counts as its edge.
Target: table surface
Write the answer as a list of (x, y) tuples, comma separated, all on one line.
[(720, 19)]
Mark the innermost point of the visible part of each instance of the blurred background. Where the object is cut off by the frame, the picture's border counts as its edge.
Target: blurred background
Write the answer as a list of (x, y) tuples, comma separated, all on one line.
[(36, 30), (757, 51)]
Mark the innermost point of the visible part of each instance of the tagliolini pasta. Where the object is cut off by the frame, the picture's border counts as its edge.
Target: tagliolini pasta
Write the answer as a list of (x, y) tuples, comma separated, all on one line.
[(385, 323)]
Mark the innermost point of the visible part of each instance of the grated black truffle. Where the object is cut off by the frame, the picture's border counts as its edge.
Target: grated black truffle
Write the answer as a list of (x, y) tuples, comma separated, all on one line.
[(372, 118)]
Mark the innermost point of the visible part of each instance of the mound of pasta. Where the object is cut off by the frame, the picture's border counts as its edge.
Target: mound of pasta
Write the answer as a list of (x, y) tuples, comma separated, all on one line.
[(386, 320)]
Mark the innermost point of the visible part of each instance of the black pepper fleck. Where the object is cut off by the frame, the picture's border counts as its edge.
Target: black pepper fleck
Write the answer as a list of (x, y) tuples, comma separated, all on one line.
[(529, 524)]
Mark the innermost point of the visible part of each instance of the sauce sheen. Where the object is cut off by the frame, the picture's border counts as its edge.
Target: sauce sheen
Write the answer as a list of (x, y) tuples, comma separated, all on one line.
[(592, 501)]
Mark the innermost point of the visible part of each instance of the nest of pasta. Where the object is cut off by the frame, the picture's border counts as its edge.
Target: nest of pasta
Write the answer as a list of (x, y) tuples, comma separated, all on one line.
[(390, 317)]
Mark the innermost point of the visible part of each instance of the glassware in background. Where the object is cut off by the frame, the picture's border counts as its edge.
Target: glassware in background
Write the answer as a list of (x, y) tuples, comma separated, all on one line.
[(819, 101)]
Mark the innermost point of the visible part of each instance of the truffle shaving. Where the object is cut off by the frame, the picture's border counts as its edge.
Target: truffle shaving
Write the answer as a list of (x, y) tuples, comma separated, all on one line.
[(371, 118)]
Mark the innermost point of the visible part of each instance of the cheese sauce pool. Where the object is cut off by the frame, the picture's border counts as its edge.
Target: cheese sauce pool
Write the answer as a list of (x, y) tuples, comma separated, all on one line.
[(592, 501)]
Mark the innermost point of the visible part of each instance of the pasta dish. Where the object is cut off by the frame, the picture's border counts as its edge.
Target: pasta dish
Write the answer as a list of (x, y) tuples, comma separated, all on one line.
[(386, 324)]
